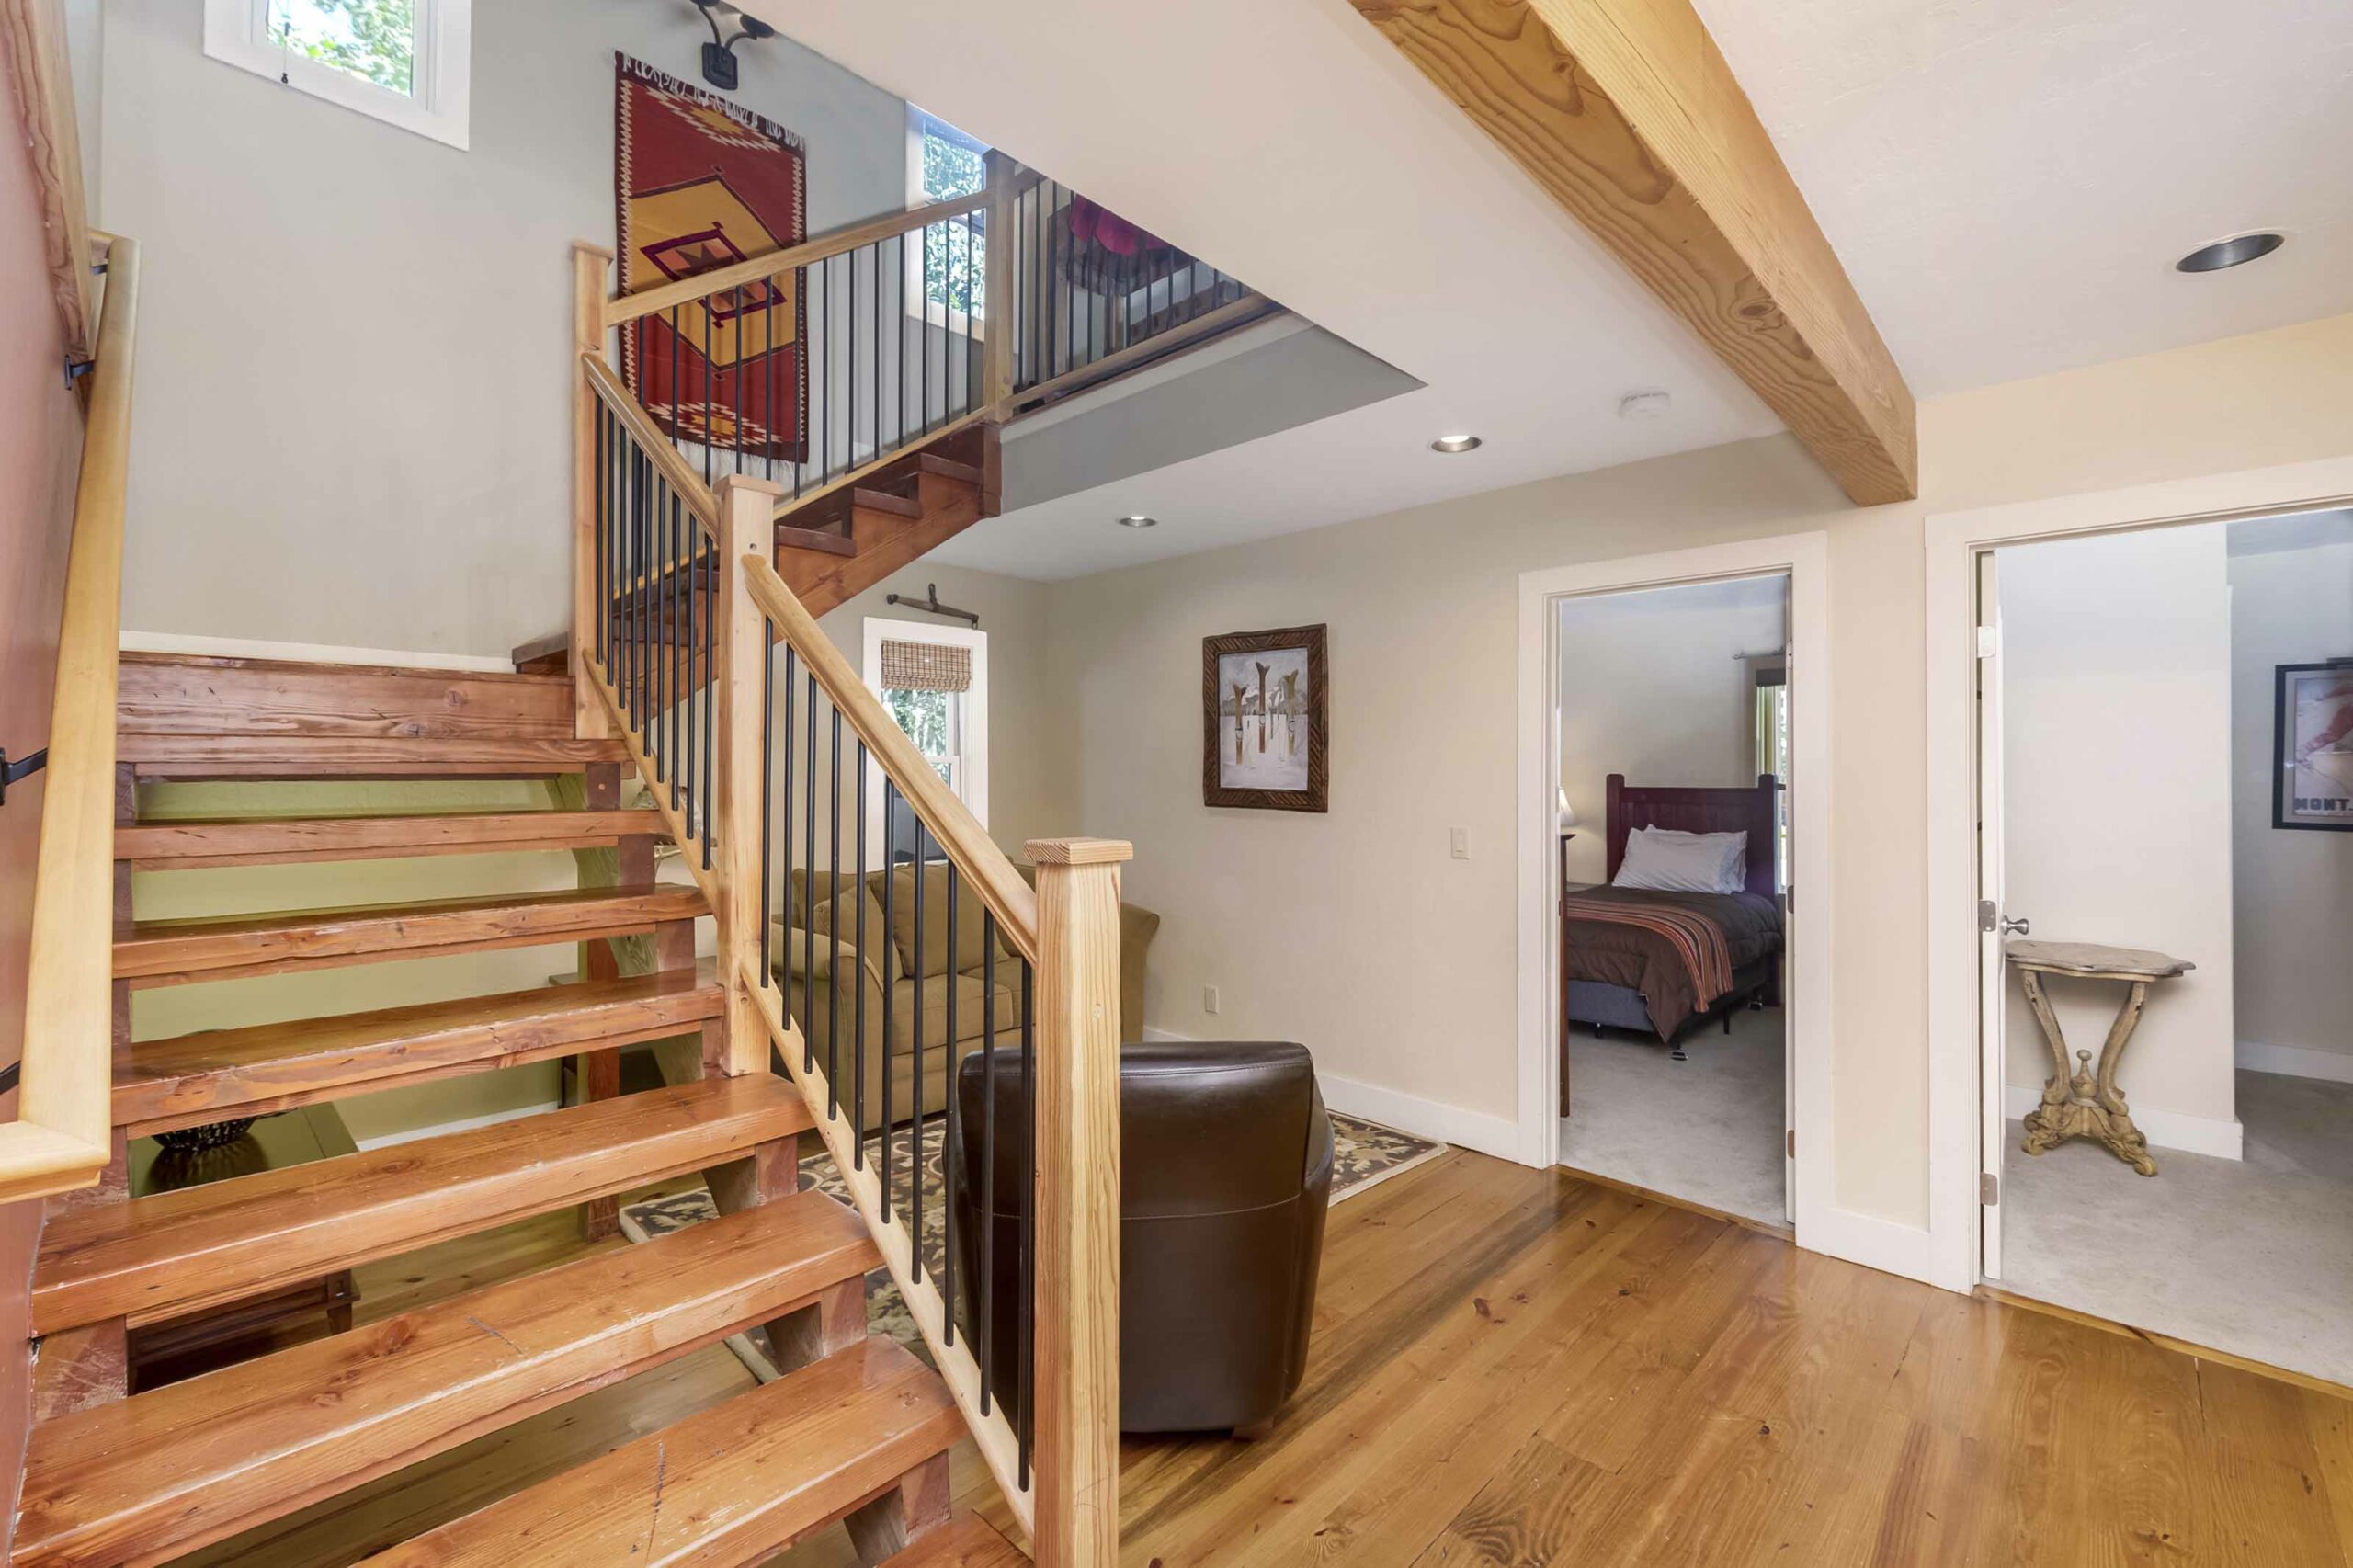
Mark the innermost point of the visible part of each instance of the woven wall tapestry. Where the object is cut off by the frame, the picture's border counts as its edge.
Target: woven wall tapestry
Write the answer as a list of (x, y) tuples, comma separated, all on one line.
[(703, 184)]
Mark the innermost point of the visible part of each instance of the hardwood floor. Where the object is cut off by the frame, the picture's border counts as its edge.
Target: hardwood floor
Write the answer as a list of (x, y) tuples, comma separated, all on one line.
[(1520, 1367)]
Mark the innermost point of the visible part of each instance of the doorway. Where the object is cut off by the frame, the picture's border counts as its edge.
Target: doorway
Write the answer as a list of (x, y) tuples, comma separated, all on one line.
[(1677, 704)]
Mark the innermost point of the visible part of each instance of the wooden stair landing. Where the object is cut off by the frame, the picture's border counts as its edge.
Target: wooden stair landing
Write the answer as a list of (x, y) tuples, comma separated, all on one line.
[(147, 1479), (967, 1541), (195, 1079), (173, 952), (160, 1256), (732, 1485)]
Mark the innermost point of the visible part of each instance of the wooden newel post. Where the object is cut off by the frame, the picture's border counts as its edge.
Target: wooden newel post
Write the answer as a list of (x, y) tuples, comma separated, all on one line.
[(1077, 1355), (746, 526), (997, 308), (592, 268)]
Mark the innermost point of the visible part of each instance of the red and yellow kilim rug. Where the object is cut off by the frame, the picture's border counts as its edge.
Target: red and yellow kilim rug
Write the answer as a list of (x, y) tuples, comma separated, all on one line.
[(703, 184)]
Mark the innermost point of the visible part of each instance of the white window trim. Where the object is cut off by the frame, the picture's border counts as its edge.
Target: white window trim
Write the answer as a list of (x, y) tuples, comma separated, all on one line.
[(237, 32), (974, 735), (911, 248)]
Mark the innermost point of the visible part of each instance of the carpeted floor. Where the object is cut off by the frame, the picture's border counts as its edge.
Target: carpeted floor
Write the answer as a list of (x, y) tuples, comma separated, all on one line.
[(1708, 1129), (1364, 1155), (2254, 1256)]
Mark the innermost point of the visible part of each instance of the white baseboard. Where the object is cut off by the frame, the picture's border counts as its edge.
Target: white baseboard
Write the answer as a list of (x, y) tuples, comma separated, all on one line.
[(2296, 1060), (1495, 1135), (464, 1124), (308, 652), (2164, 1129)]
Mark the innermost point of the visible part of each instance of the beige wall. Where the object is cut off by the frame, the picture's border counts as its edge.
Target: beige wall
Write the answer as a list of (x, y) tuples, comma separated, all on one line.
[(1654, 686), (2294, 889), (1357, 934), (2116, 804)]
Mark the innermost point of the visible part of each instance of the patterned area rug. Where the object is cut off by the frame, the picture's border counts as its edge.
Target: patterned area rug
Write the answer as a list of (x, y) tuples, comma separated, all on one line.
[(1363, 1156)]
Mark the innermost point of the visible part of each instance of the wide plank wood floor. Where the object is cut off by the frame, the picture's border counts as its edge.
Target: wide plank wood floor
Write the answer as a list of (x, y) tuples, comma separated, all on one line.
[(1519, 1368)]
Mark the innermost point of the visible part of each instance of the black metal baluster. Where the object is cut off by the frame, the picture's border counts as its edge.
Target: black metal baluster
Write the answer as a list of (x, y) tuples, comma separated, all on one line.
[(671, 643), (1025, 1320), (736, 325), (985, 1286), (889, 882), (834, 926), (596, 540), (914, 1079), (948, 1141), (767, 788), (709, 392), (689, 753), (874, 270), (858, 1036), (808, 874), (923, 342), (722, 580), (768, 371), (849, 352), (790, 686), (825, 399)]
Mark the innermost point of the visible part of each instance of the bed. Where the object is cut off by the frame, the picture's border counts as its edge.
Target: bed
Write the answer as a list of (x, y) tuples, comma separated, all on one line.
[(1665, 962)]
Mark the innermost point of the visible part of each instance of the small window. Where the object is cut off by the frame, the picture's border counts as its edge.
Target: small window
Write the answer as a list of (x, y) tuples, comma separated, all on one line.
[(942, 164), (403, 61), (934, 681)]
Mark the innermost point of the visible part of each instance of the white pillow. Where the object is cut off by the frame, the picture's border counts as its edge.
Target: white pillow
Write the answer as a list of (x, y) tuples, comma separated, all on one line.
[(1666, 860)]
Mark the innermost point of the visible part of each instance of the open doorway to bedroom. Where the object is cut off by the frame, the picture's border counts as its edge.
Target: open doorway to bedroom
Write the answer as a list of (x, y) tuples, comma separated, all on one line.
[(1675, 723)]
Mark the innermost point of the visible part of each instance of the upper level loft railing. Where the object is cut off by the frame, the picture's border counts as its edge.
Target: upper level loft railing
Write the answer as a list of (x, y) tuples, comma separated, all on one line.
[(818, 832), (809, 366), (62, 1135)]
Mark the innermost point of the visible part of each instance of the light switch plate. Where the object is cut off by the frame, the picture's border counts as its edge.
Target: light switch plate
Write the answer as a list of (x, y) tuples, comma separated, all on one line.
[(1459, 840)]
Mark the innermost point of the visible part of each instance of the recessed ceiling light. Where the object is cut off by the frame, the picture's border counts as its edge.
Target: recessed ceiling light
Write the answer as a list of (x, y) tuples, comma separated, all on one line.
[(1456, 444), (1643, 405), (2237, 251), (1138, 521)]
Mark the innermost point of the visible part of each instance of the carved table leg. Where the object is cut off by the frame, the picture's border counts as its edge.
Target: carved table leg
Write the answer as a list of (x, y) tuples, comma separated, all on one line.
[(2046, 1125), (2114, 1124), (2084, 1104)]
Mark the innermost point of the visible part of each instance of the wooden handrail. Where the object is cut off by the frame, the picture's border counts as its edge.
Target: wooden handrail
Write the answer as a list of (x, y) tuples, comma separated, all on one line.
[(968, 846), (759, 269), (64, 1132), (658, 447)]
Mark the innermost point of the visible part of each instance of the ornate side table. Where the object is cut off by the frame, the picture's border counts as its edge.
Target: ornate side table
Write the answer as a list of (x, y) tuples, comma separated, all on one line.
[(2086, 1103)]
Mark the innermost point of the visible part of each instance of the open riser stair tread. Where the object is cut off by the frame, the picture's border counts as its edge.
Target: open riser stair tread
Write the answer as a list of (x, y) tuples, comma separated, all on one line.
[(171, 1253), (191, 844), (195, 695), (190, 757), (728, 1487), (193, 1079), (165, 952), (147, 1479)]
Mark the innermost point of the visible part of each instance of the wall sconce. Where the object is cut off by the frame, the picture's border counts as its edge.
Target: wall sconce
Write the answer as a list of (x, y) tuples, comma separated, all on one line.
[(718, 55)]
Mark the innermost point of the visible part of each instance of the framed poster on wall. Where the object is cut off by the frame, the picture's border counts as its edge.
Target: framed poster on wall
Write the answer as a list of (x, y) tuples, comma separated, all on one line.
[(1264, 718), (2311, 742)]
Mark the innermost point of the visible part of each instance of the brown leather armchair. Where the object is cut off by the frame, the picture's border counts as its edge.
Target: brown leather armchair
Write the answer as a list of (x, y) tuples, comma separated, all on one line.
[(1225, 1166)]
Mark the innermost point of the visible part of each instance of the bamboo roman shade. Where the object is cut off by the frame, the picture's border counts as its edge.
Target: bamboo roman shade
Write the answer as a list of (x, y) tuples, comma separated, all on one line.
[(926, 666)]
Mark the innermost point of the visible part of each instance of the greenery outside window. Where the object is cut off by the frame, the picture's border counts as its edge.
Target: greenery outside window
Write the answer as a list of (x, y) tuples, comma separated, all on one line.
[(403, 61), (950, 274)]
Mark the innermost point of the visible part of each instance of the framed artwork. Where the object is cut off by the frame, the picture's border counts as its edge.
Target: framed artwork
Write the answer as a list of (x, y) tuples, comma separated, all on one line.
[(1264, 730), (2312, 746)]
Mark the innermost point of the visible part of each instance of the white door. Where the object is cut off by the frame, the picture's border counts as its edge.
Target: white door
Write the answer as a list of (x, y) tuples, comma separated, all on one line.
[(1785, 859), (1992, 916)]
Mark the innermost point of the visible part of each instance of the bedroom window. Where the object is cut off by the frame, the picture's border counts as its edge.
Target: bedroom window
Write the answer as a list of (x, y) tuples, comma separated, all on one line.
[(950, 275), (403, 62), (934, 681)]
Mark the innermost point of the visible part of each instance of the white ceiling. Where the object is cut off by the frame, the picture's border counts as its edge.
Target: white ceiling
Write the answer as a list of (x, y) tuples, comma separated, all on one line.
[(2008, 181)]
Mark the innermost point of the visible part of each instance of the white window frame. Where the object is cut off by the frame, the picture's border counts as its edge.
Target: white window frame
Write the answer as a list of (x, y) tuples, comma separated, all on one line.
[(972, 725), (237, 32), (972, 323)]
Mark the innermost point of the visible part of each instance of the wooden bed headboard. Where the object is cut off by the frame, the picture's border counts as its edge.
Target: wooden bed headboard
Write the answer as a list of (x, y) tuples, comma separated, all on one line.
[(1746, 809)]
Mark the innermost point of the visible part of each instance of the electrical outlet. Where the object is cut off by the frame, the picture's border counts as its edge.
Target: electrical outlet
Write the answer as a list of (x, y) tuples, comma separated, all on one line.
[(1209, 998), (1458, 840)]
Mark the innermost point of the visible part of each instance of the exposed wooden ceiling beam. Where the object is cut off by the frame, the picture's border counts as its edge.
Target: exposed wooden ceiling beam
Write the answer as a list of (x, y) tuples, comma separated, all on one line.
[(1624, 111)]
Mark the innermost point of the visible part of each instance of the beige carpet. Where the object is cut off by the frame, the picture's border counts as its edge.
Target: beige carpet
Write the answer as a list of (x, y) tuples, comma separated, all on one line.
[(1708, 1131)]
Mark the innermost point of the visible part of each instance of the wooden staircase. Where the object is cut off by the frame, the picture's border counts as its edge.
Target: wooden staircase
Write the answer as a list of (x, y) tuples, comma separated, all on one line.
[(856, 1431)]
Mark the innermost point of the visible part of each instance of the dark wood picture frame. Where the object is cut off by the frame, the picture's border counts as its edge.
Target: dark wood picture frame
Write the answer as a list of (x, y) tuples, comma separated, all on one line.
[(1316, 797), (2282, 737)]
